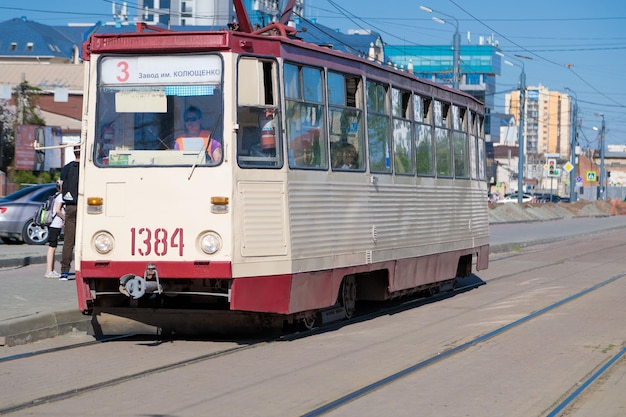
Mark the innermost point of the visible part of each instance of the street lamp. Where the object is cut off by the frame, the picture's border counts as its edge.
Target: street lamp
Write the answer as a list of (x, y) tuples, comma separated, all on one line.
[(456, 67), (602, 189), (520, 133), (573, 141)]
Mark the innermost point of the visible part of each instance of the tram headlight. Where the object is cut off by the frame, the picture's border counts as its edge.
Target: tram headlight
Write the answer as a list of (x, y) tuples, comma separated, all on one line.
[(103, 242), (210, 243)]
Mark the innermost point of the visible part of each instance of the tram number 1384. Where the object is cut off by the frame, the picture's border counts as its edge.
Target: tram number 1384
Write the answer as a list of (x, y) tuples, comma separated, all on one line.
[(145, 241)]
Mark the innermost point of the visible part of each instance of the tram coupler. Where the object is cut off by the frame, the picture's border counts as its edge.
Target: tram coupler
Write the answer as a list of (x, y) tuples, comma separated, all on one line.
[(135, 287)]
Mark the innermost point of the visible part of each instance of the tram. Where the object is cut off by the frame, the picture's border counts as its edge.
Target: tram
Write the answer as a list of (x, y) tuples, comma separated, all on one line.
[(248, 175)]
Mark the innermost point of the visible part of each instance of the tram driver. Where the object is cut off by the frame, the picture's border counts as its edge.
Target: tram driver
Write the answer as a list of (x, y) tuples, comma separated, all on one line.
[(196, 138)]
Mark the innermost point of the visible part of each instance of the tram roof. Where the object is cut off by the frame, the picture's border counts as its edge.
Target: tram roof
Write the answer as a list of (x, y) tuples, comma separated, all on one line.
[(307, 35), (357, 43)]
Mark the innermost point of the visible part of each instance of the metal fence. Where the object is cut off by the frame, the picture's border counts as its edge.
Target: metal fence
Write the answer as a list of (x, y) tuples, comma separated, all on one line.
[(591, 193)]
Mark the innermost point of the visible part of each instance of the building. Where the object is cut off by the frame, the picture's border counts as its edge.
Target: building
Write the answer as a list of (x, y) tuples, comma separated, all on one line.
[(547, 121), (210, 12)]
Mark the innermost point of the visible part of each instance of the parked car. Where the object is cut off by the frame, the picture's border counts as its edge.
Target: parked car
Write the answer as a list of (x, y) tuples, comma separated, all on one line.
[(16, 215), (512, 198), (547, 197)]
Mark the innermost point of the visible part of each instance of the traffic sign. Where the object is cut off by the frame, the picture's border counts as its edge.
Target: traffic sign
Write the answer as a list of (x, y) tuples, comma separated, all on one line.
[(568, 167), (591, 176)]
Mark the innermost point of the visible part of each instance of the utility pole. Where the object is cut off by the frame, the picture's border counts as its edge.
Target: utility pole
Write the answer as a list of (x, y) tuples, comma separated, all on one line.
[(602, 168), (520, 133), (573, 143)]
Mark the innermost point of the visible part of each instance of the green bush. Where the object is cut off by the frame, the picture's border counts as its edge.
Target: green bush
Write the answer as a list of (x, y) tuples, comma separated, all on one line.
[(23, 178)]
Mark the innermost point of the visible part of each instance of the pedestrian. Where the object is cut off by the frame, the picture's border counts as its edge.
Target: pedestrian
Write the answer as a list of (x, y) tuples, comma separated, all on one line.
[(54, 231), (69, 190)]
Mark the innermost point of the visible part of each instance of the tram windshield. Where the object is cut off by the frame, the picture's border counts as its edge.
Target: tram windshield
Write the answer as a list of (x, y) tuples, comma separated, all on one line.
[(159, 111)]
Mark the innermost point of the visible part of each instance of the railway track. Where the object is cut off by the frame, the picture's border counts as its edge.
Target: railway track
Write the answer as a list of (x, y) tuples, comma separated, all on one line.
[(336, 405)]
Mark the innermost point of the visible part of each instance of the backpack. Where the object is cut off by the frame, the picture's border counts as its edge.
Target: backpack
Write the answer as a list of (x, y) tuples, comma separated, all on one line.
[(45, 213), (69, 175)]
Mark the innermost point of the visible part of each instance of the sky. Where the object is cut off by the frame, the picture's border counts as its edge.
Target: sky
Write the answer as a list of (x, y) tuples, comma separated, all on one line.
[(566, 43)]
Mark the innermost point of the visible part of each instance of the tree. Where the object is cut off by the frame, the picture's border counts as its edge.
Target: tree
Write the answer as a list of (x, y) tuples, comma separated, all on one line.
[(27, 99), (7, 136)]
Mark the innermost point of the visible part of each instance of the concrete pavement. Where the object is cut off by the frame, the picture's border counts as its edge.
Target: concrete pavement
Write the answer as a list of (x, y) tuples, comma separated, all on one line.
[(34, 308)]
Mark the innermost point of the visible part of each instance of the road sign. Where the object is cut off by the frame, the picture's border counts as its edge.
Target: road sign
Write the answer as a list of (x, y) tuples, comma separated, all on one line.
[(568, 167), (591, 176), (579, 179)]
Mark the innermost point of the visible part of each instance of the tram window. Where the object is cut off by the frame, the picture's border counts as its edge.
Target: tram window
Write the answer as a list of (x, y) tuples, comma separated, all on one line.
[(258, 136), (461, 159), (402, 144), (460, 143), (346, 139), (312, 82), (378, 143), (376, 97), (305, 125), (140, 118), (438, 113), (378, 128), (481, 159), (463, 119), (306, 140), (400, 103), (455, 117), (418, 110), (354, 96), (336, 89), (136, 134), (428, 107), (424, 150), (443, 152), (346, 123), (473, 155), (292, 81), (446, 115)]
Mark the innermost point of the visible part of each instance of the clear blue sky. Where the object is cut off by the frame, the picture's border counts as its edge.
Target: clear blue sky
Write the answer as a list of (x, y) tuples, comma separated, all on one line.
[(573, 43)]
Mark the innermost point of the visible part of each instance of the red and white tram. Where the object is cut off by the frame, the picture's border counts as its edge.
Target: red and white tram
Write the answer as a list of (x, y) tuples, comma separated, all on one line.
[(336, 179)]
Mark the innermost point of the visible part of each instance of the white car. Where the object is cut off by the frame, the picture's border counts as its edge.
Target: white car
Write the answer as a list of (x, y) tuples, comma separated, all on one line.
[(512, 198)]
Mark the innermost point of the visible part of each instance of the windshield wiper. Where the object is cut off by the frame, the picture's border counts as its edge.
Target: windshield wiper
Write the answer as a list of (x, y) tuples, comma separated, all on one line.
[(206, 149)]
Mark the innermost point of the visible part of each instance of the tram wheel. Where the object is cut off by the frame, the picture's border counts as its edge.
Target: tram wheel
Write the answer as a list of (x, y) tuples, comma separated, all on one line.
[(348, 295)]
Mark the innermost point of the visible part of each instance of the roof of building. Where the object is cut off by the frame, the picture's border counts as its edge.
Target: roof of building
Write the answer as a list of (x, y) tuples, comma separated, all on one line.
[(67, 124), (46, 76), (22, 38)]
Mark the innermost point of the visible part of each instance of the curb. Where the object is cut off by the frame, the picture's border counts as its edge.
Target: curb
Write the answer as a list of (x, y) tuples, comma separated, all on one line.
[(25, 261), (43, 326)]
